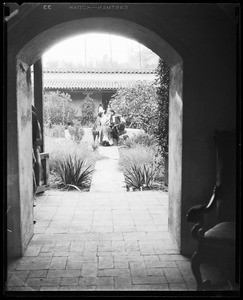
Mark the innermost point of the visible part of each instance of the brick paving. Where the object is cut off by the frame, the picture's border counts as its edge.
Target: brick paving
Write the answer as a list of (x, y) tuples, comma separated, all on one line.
[(108, 177), (105, 239), (95, 241)]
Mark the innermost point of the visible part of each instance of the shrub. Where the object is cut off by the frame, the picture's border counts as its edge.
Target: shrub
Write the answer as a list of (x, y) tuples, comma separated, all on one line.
[(143, 155), (127, 143), (72, 172), (60, 148), (138, 105), (137, 155), (76, 132), (56, 130), (143, 139), (57, 108), (88, 111)]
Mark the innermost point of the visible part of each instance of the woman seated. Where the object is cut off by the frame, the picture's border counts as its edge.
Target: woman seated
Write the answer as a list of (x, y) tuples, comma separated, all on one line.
[(68, 136), (97, 128), (105, 131)]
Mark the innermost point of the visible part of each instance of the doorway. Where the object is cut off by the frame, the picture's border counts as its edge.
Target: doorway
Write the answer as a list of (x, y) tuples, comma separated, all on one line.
[(28, 55)]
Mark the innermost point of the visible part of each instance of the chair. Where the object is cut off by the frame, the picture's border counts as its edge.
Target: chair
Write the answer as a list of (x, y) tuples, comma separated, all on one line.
[(43, 173), (217, 244)]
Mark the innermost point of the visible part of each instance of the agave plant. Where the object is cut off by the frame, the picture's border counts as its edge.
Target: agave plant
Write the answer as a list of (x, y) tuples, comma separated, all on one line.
[(140, 176), (149, 175), (72, 172), (134, 177)]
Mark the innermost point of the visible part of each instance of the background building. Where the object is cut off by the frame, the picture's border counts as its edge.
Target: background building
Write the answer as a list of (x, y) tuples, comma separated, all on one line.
[(96, 84)]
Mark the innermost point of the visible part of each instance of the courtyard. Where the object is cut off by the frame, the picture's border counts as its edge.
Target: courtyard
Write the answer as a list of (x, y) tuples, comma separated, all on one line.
[(101, 241), (106, 239)]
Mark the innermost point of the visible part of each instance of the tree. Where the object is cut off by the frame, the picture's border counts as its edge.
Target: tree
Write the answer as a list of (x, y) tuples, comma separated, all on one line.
[(88, 111), (138, 105), (57, 108)]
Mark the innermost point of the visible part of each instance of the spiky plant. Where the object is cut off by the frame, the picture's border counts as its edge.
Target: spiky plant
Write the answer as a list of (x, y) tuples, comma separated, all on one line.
[(140, 176), (72, 172), (134, 177), (149, 175)]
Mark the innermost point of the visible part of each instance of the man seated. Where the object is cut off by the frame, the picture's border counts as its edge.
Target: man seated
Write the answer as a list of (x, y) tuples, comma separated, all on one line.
[(117, 124)]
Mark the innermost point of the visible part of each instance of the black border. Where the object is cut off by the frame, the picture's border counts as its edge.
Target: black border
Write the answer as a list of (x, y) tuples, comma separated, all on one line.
[(169, 294)]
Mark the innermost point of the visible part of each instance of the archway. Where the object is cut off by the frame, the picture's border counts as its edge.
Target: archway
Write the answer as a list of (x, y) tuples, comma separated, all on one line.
[(30, 53)]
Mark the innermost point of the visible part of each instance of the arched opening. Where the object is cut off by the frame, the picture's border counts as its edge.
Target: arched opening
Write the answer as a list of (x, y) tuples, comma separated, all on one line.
[(31, 53)]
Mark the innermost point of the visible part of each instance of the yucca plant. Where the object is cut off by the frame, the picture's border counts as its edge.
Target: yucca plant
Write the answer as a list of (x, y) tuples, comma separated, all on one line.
[(149, 175), (72, 172), (134, 177), (140, 176)]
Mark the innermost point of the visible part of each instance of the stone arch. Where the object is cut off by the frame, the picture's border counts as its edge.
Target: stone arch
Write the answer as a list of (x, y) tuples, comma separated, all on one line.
[(31, 52)]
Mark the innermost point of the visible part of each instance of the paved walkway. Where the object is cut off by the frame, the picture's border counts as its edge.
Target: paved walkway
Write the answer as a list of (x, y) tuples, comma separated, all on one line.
[(101, 241), (108, 177)]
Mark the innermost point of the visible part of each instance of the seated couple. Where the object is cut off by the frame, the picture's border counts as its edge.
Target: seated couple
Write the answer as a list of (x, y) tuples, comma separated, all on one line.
[(108, 127)]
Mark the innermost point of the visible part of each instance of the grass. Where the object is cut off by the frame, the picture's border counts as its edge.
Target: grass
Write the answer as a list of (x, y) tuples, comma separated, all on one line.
[(137, 155), (140, 138), (142, 164), (60, 150), (141, 158)]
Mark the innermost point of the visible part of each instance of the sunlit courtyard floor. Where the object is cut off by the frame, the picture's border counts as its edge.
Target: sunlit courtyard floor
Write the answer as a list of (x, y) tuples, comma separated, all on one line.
[(105, 239), (101, 241)]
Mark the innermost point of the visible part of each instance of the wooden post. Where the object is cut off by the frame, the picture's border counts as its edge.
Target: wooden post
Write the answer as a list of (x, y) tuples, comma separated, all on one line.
[(85, 52), (38, 95), (140, 57), (111, 51)]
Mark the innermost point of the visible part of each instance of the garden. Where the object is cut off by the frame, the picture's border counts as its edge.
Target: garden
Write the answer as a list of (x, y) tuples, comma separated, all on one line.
[(71, 161), (143, 156)]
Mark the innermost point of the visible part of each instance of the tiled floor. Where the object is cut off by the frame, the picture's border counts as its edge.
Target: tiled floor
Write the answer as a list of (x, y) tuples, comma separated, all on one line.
[(106, 239), (101, 241)]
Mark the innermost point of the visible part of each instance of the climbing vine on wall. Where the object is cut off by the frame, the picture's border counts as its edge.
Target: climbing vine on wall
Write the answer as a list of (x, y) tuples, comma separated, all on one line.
[(162, 90)]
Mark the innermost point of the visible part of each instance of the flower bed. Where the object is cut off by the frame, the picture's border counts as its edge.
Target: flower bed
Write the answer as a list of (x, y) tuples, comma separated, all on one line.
[(142, 164)]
